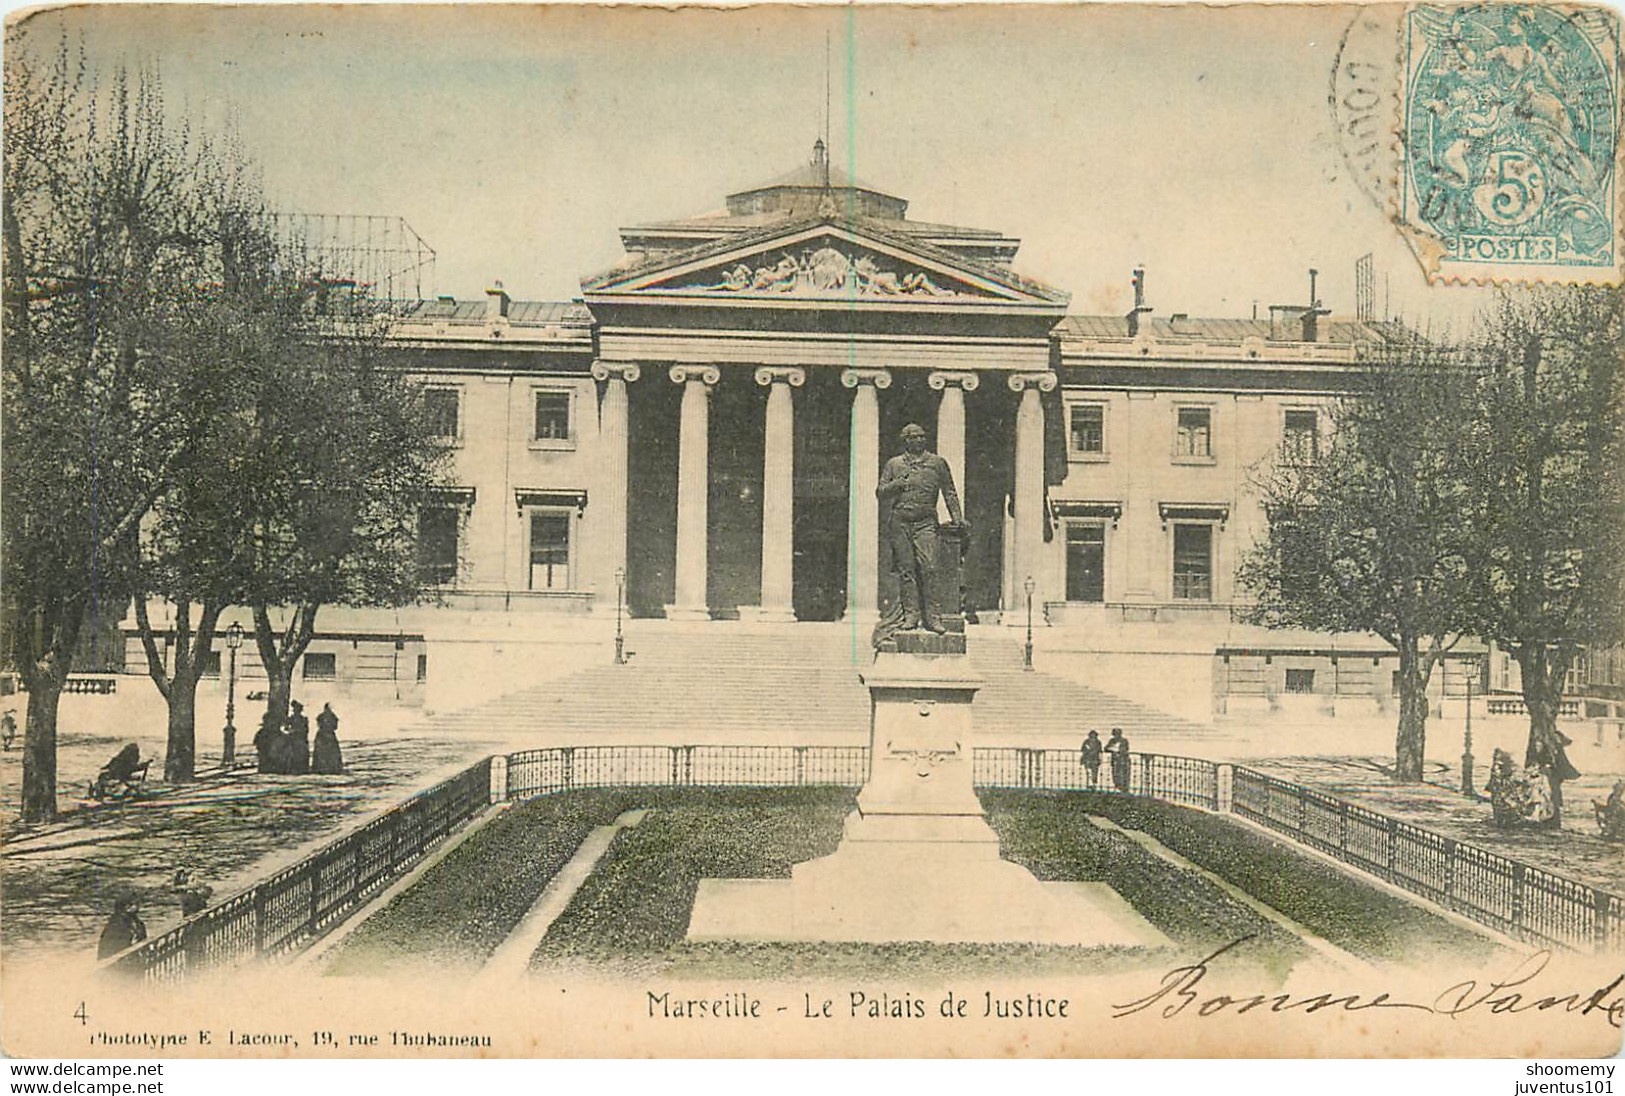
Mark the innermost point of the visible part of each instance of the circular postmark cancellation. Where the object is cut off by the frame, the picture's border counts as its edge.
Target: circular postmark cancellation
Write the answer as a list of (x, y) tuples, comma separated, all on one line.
[(1510, 139), (1364, 101)]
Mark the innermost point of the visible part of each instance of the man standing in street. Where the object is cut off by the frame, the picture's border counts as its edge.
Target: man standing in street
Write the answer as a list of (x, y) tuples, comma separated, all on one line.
[(912, 482)]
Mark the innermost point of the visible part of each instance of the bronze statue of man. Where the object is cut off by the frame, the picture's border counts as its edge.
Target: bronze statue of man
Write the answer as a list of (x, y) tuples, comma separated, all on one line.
[(911, 482)]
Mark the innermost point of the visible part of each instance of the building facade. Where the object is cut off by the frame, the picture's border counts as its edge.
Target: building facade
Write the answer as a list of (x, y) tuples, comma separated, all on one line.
[(700, 434)]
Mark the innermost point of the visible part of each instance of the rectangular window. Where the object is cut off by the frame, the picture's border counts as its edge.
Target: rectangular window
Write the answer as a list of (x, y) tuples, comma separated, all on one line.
[(321, 666), (211, 664), (1300, 681), (1300, 440), (1193, 562), (440, 412), (1087, 429), (550, 550), (423, 667), (1194, 436), (552, 416), (437, 545), (1085, 561)]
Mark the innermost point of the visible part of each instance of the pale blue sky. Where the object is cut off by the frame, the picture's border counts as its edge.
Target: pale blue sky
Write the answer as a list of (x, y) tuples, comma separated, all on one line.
[(516, 140)]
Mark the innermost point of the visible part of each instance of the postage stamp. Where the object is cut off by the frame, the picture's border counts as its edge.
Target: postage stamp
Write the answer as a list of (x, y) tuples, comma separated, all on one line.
[(1510, 142)]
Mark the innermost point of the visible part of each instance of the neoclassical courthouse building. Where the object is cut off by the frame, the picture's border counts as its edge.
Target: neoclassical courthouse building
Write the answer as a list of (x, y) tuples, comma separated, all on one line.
[(700, 435)]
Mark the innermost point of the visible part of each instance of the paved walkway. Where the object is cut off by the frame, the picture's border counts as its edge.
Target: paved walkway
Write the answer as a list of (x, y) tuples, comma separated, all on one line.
[(230, 829), (1438, 805)]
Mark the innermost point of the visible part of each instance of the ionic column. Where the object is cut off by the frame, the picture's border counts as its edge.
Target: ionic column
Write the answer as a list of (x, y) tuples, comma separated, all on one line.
[(1028, 548), (951, 427), (693, 485), (863, 514), (778, 495), (609, 546)]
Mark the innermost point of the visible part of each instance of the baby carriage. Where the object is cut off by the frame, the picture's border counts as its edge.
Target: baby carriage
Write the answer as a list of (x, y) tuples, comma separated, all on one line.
[(122, 777)]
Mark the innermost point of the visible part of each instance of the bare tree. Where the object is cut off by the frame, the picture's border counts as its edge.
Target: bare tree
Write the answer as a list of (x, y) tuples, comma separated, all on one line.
[(1372, 535)]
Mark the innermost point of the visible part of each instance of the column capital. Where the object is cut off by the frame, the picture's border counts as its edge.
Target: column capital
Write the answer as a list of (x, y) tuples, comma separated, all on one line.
[(767, 375), (706, 374), (852, 378), (1044, 382), (942, 378), (625, 371)]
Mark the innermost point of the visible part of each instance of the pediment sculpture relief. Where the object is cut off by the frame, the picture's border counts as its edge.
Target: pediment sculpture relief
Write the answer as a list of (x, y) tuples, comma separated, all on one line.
[(826, 271)]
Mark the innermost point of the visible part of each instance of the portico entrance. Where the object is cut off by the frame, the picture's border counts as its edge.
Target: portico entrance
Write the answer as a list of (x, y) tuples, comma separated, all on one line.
[(777, 353)]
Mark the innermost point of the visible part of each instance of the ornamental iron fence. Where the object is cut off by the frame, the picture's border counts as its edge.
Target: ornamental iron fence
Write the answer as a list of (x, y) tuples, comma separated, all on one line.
[(1511, 897), (304, 900)]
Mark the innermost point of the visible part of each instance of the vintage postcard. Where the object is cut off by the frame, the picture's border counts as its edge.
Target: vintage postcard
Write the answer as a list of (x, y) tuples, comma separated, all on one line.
[(975, 530)]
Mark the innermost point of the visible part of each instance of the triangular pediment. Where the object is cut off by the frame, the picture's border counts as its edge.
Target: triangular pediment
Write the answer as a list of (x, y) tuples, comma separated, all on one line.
[(825, 261)]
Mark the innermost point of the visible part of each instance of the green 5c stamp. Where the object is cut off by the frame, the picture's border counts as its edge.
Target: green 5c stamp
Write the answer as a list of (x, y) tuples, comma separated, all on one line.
[(1510, 135)]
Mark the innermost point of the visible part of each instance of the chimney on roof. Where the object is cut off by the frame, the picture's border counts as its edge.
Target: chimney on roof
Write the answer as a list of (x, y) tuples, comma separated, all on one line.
[(496, 302), (820, 162), (1312, 314), (1139, 302)]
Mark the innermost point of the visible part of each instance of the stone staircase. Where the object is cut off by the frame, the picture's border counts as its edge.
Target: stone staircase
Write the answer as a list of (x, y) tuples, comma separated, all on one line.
[(725, 683)]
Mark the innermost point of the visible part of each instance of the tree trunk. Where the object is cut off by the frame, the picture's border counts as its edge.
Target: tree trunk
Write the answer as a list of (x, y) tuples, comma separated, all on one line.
[(179, 687), (279, 693), (39, 749), (1542, 671), (180, 757), (280, 660), (45, 665), (1411, 740)]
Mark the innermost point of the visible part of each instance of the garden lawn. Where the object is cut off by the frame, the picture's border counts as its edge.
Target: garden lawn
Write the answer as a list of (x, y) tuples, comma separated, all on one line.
[(1328, 901), (466, 905), (632, 913)]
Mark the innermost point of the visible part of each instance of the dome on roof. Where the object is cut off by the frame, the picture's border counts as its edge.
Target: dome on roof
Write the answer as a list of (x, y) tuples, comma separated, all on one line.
[(811, 188)]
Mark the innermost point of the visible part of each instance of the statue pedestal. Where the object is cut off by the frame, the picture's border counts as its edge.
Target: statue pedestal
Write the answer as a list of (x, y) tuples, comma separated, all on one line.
[(918, 861)]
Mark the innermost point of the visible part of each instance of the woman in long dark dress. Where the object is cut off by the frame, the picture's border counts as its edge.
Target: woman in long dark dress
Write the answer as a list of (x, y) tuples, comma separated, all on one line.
[(265, 743), (326, 757), (297, 744)]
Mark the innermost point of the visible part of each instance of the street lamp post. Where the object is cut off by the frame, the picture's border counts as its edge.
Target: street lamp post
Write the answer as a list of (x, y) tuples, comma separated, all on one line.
[(234, 640), (1027, 652), (1467, 735), (620, 597)]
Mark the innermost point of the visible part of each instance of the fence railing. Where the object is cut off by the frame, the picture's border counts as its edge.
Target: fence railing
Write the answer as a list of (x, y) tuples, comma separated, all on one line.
[(1511, 897), (1568, 708), (305, 899), (1189, 781), (539, 772)]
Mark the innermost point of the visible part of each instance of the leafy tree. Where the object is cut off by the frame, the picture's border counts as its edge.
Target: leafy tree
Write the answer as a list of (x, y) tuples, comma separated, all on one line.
[(1372, 534), (102, 223), (1548, 492), (339, 466), (193, 551)]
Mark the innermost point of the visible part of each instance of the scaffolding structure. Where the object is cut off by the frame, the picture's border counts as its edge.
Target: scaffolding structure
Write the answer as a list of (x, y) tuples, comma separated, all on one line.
[(379, 256), (1365, 289)]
